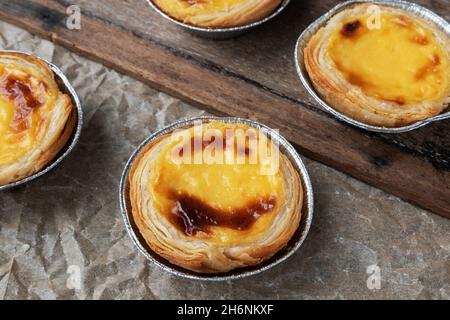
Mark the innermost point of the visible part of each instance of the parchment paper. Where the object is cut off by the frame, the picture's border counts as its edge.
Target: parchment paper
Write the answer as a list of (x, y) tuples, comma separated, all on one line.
[(67, 223)]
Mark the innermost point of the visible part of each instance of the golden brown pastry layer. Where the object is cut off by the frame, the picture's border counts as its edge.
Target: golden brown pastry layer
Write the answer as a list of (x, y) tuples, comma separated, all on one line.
[(36, 119), (386, 68), (214, 216), (218, 13)]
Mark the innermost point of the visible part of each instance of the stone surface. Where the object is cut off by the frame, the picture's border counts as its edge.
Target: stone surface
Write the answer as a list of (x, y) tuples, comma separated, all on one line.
[(69, 220)]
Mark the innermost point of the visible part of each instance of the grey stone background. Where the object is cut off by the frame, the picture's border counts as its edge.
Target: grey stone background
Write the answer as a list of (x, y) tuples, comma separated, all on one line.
[(71, 216)]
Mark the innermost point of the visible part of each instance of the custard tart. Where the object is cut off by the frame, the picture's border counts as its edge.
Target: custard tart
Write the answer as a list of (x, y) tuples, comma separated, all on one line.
[(217, 13), (381, 65), (215, 197), (36, 118)]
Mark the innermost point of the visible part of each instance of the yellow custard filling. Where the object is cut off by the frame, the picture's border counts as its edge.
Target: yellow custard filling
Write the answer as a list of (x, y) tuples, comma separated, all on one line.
[(396, 59), (22, 104), (182, 9), (226, 188), (13, 144)]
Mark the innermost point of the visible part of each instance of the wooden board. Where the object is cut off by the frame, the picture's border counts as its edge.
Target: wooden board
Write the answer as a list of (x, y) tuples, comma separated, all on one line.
[(251, 76)]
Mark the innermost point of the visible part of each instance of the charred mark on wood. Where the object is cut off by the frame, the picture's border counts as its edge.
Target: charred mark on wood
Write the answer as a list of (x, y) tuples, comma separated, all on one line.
[(378, 161), (439, 157), (50, 18), (437, 153), (24, 8)]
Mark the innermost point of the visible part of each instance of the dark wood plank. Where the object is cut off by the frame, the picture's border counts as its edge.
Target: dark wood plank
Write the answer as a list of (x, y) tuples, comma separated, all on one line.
[(251, 76)]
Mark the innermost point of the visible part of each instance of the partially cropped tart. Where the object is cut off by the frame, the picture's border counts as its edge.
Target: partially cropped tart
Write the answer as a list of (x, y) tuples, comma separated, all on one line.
[(218, 13), (381, 65), (215, 197), (36, 118)]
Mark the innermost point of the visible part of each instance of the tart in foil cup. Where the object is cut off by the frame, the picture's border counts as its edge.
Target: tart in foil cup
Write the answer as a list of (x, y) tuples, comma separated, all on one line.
[(219, 33), (65, 87), (307, 34), (293, 245)]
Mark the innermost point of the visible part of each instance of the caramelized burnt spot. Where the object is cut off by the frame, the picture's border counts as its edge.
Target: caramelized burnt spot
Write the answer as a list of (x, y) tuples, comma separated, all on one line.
[(198, 143), (403, 21), (428, 68), (192, 215), (43, 86), (193, 143), (408, 23), (349, 29), (357, 80), (20, 92), (243, 151), (421, 40)]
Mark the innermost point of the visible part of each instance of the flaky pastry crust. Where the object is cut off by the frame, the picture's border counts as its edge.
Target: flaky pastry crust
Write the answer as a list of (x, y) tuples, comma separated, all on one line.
[(348, 98), (42, 117), (235, 15), (202, 253)]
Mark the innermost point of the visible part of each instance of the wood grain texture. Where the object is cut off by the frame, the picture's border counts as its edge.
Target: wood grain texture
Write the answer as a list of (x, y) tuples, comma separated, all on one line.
[(252, 76)]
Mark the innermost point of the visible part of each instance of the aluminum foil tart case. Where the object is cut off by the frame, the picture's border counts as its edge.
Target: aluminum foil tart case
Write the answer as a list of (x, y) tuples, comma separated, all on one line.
[(224, 33), (293, 245), (66, 87), (303, 41)]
